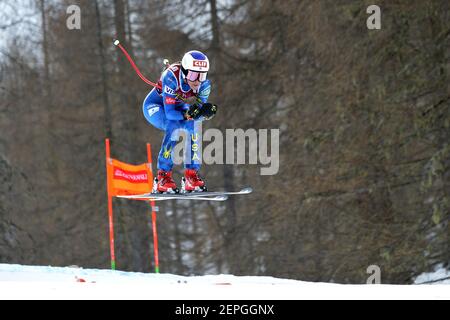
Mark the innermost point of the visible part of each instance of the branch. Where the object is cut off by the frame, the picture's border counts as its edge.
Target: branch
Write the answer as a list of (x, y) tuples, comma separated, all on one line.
[(12, 24), (440, 102), (437, 280)]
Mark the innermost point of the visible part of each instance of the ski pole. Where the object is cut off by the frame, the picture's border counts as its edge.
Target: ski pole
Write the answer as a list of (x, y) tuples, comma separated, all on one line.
[(117, 43), (166, 62)]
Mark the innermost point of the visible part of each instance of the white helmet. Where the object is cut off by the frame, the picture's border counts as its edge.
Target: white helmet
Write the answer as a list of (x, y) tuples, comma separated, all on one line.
[(195, 65)]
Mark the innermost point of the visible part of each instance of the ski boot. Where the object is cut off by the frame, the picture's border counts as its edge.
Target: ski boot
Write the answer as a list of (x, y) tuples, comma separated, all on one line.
[(164, 183), (192, 182)]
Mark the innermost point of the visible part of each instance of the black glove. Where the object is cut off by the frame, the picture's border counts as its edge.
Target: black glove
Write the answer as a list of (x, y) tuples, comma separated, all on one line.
[(208, 110), (193, 113)]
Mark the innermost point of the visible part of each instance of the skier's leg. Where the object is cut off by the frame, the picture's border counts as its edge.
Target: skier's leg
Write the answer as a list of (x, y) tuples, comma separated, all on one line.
[(164, 182), (155, 115), (165, 161), (191, 181), (193, 147)]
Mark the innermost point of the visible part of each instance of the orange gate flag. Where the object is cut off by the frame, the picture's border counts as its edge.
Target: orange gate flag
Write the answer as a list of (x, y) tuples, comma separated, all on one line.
[(127, 179)]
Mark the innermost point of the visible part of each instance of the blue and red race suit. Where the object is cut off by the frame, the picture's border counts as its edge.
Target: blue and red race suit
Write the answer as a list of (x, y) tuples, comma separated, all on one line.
[(164, 109)]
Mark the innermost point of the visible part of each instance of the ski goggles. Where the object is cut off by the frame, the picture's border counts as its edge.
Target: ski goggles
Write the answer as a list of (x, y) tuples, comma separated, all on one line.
[(194, 76)]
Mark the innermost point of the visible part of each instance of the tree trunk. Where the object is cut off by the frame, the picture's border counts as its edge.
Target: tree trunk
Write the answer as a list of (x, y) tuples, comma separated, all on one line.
[(129, 109), (178, 242), (129, 30), (106, 106), (51, 165), (47, 86), (228, 170)]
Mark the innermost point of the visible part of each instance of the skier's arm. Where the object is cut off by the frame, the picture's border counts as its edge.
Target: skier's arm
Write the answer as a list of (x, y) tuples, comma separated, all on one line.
[(169, 98), (202, 110), (208, 110), (204, 91)]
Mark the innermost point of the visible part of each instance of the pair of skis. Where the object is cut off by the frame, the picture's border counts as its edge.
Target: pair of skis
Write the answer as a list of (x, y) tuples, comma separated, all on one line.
[(204, 196)]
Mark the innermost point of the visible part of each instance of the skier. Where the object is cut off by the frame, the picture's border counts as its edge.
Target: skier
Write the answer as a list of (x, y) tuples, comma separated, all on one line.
[(180, 102)]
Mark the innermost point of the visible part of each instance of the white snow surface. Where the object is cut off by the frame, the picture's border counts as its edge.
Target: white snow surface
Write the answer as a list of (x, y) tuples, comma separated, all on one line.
[(440, 273), (61, 283)]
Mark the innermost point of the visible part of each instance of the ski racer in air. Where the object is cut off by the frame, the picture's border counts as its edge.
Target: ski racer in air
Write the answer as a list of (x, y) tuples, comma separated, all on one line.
[(180, 102)]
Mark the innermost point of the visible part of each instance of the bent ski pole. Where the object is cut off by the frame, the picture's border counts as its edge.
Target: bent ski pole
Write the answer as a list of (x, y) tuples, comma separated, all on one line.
[(117, 43), (166, 63)]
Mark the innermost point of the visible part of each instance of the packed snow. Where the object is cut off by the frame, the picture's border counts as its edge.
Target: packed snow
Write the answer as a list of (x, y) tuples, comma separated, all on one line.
[(39, 282), (440, 275)]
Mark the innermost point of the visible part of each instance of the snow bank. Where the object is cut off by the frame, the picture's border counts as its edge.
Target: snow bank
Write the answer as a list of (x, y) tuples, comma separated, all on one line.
[(38, 282)]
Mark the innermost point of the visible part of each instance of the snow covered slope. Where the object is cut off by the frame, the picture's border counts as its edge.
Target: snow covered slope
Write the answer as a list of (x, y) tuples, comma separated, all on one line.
[(34, 282), (440, 275)]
